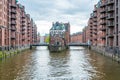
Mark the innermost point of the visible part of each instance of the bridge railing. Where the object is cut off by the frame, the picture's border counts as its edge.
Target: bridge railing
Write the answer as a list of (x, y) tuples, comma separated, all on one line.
[(79, 44)]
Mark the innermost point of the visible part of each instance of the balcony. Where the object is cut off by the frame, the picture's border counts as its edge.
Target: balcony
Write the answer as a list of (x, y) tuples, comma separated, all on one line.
[(91, 29), (13, 6), (103, 17), (13, 11), (109, 17), (23, 33), (103, 5), (103, 29), (110, 24), (28, 29), (23, 28), (95, 32), (28, 22), (28, 40), (91, 23), (95, 16), (91, 35), (94, 28), (23, 39), (13, 28), (91, 32), (95, 19), (13, 22), (95, 38), (110, 9), (23, 21), (103, 23), (28, 35), (13, 36), (28, 32), (23, 17), (103, 11), (110, 2), (23, 24), (95, 24), (95, 10), (13, 17), (29, 25), (103, 37), (110, 34)]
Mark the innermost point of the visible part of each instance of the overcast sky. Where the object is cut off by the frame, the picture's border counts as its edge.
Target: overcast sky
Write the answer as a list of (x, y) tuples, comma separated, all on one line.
[(44, 12)]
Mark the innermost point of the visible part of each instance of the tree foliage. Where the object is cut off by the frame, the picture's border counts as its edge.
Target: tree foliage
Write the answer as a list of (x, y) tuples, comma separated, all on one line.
[(47, 40)]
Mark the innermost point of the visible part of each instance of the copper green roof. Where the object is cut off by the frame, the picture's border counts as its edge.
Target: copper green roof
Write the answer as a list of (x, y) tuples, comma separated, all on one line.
[(58, 26), (16, 0)]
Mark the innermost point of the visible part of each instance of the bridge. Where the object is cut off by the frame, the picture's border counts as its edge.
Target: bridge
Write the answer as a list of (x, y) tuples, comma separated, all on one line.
[(41, 44), (70, 44), (78, 44)]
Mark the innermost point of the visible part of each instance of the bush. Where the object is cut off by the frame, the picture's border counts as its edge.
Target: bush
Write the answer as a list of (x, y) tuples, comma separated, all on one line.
[(1, 54)]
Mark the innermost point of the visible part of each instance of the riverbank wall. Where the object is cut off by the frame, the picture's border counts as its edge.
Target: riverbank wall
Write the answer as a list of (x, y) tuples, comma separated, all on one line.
[(110, 52), (5, 54)]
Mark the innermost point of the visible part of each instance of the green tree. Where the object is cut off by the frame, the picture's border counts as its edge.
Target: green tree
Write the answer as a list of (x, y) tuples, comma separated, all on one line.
[(47, 40)]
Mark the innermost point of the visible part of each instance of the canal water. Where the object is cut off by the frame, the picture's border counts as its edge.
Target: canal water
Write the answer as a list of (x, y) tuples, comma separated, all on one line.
[(77, 63)]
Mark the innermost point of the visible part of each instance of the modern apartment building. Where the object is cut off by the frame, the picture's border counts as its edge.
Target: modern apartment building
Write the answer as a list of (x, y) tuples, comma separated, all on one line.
[(104, 24), (17, 29), (18, 26), (90, 29), (34, 34), (3, 23), (28, 29)]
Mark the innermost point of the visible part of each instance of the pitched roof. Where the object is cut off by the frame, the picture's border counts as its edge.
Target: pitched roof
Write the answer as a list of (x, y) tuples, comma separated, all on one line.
[(58, 26)]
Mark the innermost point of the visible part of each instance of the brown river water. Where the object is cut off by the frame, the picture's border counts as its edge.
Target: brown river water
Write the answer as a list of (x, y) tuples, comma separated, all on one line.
[(77, 63)]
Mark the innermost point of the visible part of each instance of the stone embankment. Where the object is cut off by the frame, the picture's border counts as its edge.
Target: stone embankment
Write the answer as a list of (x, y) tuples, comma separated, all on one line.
[(5, 54), (114, 54)]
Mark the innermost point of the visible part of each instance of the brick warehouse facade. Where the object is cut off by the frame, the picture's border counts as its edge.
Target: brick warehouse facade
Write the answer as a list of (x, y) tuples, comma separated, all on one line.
[(104, 25), (77, 37), (17, 29), (3, 22), (60, 32), (59, 36), (86, 34)]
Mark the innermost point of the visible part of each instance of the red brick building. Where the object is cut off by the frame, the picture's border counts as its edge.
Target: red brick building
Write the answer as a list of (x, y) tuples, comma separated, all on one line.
[(17, 29), (38, 38), (3, 23), (67, 32), (86, 34), (95, 31), (60, 34), (104, 24), (77, 37)]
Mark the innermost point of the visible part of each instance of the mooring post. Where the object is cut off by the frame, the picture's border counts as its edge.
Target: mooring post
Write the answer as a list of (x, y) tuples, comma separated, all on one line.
[(30, 47)]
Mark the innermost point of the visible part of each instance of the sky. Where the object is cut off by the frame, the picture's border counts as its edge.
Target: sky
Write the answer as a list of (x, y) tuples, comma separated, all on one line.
[(44, 12)]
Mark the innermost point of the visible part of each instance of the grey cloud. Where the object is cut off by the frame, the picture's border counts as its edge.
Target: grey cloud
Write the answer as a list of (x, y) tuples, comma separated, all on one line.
[(75, 11)]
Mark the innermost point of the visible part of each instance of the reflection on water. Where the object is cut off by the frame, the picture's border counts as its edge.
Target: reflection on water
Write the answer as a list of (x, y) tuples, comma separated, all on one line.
[(75, 64)]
